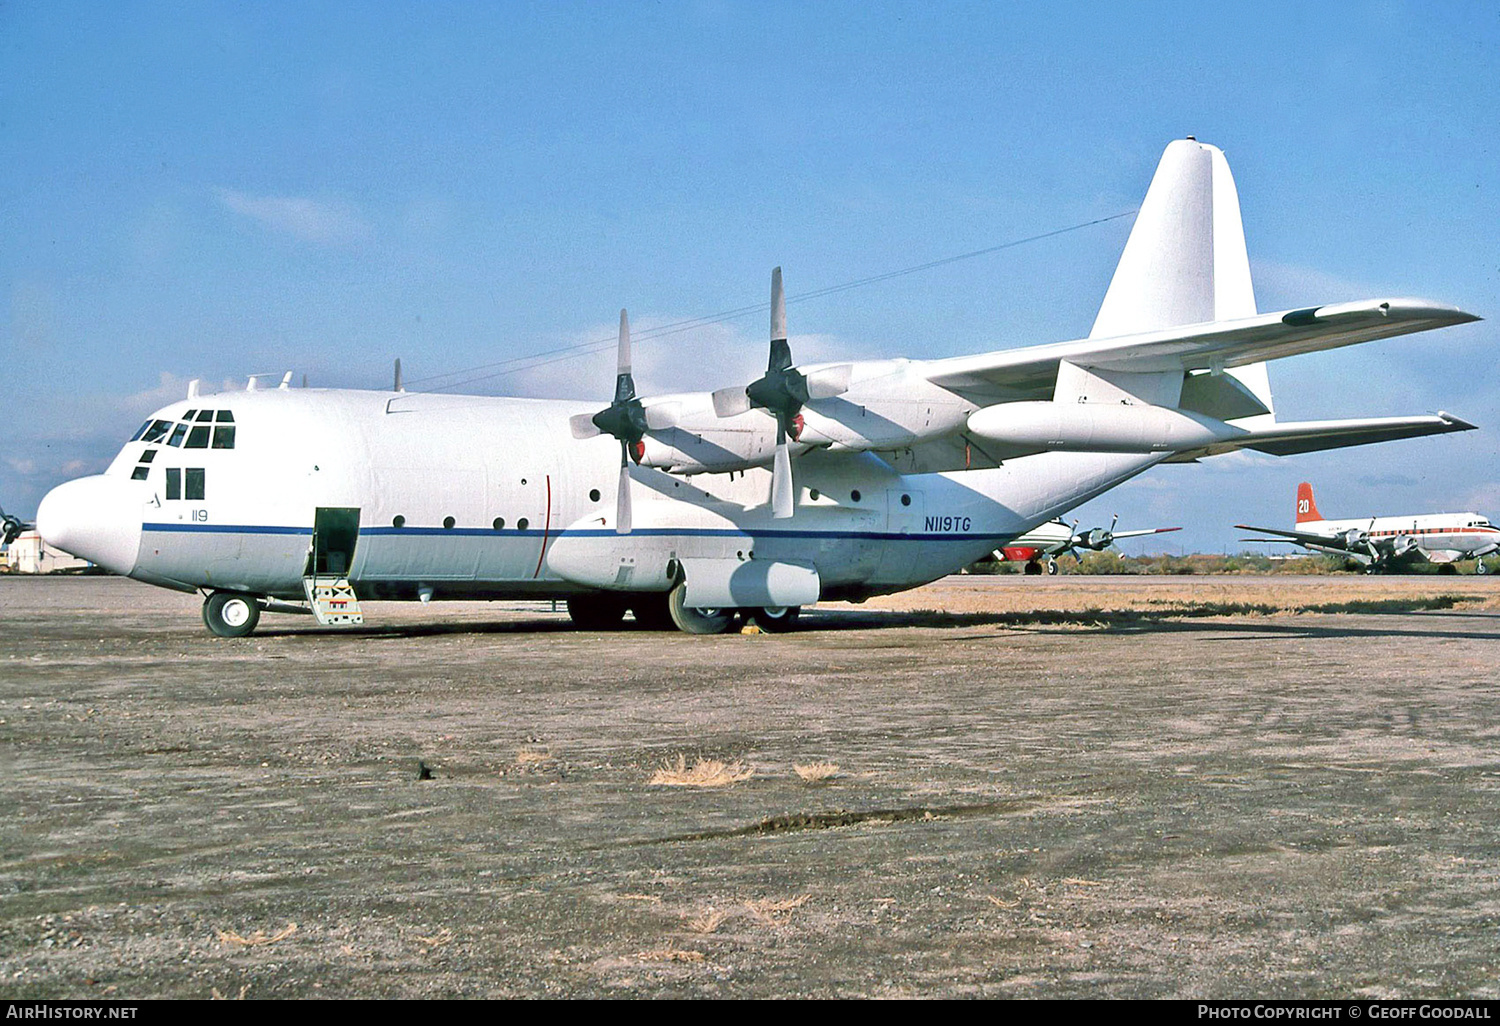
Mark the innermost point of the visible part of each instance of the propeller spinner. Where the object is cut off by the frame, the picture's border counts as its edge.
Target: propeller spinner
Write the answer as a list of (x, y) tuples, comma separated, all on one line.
[(625, 419)]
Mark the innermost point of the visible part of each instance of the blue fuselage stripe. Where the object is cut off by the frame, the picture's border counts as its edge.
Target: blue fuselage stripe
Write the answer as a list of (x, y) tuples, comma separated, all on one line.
[(472, 532)]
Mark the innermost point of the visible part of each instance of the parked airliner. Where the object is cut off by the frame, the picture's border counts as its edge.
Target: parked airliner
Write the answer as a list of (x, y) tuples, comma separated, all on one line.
[(1040, 547), (830, 481), (1382, 543)]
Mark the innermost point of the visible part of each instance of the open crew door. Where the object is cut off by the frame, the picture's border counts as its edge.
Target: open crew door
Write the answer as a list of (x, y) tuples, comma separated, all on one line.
[(335, 534)]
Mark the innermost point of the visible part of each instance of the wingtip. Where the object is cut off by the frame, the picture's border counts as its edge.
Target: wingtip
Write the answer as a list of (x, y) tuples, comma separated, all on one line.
[(1457, 423)]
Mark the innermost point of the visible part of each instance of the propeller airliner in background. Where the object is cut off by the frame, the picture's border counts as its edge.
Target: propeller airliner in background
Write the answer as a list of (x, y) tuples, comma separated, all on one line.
[(1040, 547), (831, 481), (1382, 543)]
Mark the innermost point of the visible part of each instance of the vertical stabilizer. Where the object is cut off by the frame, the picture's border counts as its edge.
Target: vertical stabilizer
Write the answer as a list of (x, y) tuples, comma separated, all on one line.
[(1185, 261), (1307, 509)]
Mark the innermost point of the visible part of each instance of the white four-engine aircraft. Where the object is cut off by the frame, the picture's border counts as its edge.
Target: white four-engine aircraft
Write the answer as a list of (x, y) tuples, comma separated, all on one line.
[(1381, 543), (833, 481)]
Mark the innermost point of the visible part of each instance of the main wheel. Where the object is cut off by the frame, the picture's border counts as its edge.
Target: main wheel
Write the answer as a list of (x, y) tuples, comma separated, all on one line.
[(776, 619), (229, 615), (1051, 565), (596, 612), (651, 611), (1480, 568), (696, 621), (1032, 568)]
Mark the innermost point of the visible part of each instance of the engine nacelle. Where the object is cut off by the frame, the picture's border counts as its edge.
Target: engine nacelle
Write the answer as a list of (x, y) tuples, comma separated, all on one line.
[(886, 407)]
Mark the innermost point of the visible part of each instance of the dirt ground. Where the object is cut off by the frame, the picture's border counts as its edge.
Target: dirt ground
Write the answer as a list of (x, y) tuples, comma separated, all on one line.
[(1064, 787)]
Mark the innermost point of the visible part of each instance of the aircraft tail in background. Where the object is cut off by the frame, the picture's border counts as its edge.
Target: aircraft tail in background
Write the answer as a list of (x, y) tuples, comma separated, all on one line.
[(1307, 508)]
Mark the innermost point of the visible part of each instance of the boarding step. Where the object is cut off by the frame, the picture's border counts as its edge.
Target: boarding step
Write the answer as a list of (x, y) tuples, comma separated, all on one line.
[(333, 601)]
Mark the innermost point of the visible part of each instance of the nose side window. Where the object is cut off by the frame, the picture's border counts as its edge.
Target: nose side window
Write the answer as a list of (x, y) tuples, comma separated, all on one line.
[(174, 483), (194, 483)]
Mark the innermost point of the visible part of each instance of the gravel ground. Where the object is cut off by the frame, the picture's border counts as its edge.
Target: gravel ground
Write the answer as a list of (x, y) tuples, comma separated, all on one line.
[(1070, 787)]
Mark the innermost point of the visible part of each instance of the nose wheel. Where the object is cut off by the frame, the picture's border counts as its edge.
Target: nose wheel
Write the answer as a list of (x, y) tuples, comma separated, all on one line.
[(229, 615)]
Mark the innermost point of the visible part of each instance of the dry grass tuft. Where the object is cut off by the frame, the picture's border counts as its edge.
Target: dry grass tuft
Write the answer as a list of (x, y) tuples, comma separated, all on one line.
[(230, 939), (437, 940), (670, 955), (1000, 904), (813, 772), (767, 909), (532, 756), (703, 773), (708, 922), (214, 994)]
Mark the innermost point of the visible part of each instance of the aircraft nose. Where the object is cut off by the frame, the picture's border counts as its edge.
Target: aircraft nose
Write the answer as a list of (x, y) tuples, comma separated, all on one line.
[(95, 518)]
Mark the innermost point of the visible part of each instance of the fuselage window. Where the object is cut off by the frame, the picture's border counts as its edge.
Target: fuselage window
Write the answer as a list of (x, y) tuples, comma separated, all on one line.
[(854, 495), (157, 431), (205, 415), (136, 437), (499, 524), (224, 437), (593, 495), (198, 437), (398, 521), (174, 483), (224, 417), (178, 434), (148, 455), (139, 473), (448, 522), (194, 489), (521, 524)]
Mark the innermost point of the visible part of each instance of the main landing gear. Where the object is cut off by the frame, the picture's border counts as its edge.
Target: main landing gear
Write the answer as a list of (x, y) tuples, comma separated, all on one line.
[(664, 611), (230, 615)]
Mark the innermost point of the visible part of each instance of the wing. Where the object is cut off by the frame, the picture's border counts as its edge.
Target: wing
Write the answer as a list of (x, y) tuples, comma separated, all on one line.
[(1214, 346), (1316, 541), (1137, 534), (1286, 439)]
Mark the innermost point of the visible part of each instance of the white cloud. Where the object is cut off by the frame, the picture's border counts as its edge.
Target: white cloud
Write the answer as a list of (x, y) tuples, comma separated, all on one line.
[(312, 220)]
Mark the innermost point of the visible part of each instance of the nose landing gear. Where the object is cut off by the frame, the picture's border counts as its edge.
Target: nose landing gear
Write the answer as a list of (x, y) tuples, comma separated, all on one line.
[(230, 615)]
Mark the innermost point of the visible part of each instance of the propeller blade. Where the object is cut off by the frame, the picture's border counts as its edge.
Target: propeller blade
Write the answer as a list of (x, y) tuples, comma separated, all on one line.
[(778, 317), (583, 425), (829, 381), (731, 402), (781, 480), (622, 497)]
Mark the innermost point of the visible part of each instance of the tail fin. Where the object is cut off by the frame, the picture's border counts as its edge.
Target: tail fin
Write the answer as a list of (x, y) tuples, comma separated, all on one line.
[(1307, 509), (1185, 262)]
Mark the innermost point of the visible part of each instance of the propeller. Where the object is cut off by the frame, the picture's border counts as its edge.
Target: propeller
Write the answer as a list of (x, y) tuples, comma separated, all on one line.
[(11, 527), (781, 392), (625, 419), (1100, 538)]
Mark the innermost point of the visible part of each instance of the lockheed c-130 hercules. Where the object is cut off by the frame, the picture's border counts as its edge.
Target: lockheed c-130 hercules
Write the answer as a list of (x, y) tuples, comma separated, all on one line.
[(831, 481)]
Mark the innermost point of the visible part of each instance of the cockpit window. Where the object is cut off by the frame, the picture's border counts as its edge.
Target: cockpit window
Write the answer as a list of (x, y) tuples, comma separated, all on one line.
[(157, 431), (178, 433), (140, 432), (224, 436), (205, 414), (198, 437), (225, 417)]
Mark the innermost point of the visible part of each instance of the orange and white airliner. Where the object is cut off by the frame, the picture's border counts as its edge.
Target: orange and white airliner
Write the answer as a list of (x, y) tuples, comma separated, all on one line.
[(1383, 543)]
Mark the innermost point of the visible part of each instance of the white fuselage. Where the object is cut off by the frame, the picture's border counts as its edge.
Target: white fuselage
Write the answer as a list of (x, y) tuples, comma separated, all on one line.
[(1439, 537), (463, 496)]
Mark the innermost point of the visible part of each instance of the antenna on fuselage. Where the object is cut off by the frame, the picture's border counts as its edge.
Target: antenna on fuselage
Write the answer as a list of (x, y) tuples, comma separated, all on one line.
[(286, 381), (193, 389), (399, 387)]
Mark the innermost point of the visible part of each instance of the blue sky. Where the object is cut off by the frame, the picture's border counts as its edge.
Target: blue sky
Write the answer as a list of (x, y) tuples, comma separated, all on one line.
[(206, 190)]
